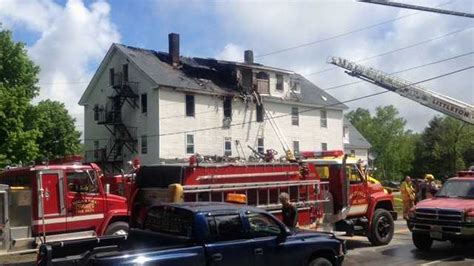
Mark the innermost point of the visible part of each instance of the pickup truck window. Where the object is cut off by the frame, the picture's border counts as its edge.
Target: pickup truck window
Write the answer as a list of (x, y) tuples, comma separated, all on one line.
[(170, 221), (262, 225), (457, 189), (225, 227)]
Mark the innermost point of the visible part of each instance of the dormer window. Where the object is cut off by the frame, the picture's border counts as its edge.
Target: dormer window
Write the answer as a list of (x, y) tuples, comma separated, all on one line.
[(279, 85)]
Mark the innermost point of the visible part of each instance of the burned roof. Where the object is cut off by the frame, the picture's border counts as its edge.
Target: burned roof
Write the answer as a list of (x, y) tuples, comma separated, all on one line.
[(216, 76)]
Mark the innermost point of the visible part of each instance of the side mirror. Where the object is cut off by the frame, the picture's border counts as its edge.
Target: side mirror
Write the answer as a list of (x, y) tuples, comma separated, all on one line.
[(107, 189)]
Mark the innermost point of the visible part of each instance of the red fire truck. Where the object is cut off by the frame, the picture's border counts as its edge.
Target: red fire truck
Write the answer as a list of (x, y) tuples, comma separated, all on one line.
[(326, 187), (56, 202)]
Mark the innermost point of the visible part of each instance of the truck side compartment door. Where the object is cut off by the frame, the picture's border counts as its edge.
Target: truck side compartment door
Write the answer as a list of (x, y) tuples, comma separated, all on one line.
[(85, 201), (51, 206), (227, 244), (270, 248)]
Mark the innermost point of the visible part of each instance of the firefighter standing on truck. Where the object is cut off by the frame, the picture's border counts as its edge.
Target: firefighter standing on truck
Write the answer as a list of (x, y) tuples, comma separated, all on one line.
[(289, 212), (408, 196)]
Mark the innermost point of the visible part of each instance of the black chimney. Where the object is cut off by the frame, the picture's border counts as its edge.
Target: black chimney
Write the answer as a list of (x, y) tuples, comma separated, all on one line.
[(248, 56), (173, 45)]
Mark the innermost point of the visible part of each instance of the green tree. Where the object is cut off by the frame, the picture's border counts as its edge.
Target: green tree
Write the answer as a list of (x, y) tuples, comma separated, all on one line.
[(445, 147), (29, 132), (392, 144), (59, 136), (18, 79)]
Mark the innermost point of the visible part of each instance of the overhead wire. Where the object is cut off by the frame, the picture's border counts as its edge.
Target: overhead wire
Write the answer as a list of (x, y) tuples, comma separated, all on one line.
[(404, 70), (342, 34), (396, 50)]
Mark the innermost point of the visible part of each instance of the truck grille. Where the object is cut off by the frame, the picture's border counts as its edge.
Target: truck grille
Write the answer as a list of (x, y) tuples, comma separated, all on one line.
[(449, 220)]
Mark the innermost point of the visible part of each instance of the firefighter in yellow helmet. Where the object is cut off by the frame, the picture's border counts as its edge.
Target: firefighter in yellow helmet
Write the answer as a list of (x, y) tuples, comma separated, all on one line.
[(408, 195)]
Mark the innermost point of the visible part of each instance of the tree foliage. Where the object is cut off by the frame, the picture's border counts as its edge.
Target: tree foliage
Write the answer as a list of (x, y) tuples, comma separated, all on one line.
[(391, 144), (445, 147), (20, 140), (59, 136)]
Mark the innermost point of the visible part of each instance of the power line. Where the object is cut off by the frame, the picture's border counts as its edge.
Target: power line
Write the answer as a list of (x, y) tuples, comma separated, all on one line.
[(395, 50), (404, 70), (307, 110), (342, 34)]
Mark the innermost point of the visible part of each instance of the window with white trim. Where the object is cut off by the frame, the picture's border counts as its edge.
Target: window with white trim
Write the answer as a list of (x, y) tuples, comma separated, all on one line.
[(324, 119), (260, 145), (295, 119), (324, 146), (144, 144), (227, 147), (189, 144)]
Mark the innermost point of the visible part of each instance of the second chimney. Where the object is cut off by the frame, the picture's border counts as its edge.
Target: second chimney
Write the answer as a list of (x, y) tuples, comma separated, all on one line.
[(248, 56), (173, 45)]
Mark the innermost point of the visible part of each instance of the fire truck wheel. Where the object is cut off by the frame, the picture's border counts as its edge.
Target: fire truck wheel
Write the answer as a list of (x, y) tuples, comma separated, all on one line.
[(320, 262), (382, 228), (422, 242), (117, 228)]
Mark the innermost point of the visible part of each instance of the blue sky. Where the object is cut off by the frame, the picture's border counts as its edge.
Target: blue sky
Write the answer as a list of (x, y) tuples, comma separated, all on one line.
[(69, 38)]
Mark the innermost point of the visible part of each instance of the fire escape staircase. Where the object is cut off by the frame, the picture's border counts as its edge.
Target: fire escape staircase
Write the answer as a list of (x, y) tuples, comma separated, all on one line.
[(124, 92)]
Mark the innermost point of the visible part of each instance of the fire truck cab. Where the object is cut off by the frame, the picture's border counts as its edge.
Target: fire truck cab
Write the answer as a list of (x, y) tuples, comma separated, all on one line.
[(371, 211), (56, 202)]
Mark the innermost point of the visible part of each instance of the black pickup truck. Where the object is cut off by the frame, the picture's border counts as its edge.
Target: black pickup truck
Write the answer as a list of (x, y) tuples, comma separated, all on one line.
[(201, 234)]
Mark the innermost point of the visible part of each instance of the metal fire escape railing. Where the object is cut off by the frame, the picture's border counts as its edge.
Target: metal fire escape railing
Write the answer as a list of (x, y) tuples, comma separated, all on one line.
[(124, 92)]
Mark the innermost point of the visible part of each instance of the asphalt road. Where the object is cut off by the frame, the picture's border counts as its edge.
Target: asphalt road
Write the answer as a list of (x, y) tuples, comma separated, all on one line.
[(401, 251)]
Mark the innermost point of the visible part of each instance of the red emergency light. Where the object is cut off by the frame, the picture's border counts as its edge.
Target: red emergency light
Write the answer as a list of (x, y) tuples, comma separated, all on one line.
[(321, 154)]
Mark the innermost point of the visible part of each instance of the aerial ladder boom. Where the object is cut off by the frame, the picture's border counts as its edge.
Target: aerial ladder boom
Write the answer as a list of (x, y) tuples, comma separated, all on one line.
[(433, 100)]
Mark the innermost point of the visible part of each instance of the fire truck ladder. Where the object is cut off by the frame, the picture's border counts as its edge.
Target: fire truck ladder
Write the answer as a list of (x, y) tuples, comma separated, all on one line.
[(262, 190), (240, 149), (281, 137), (430, 99)]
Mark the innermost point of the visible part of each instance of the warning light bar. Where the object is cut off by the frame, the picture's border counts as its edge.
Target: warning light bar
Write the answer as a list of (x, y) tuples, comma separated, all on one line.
[(236, 198), (321, 154)]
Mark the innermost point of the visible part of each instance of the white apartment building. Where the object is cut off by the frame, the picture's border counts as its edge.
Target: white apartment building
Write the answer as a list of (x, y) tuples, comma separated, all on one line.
[(156, 105)]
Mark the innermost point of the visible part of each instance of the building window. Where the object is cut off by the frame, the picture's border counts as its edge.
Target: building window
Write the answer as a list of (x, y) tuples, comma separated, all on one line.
[(144, 145), (263, 83), (111, 77), (260, 113), (296, 146), (144, 101), (96, 112), (96, 149), (125, 72), (228, 107), (260, 145), (189, 105), (324, 146), (189, 144), (279, 85), (295, 120), (324, 119), (227, 147)]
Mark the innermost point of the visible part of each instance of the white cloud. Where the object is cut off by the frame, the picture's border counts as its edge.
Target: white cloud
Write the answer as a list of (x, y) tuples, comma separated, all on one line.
[(72, 37), (267, 26)]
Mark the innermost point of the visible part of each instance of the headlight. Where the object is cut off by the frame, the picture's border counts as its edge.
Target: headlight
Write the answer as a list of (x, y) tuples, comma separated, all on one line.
[(470, 217)]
